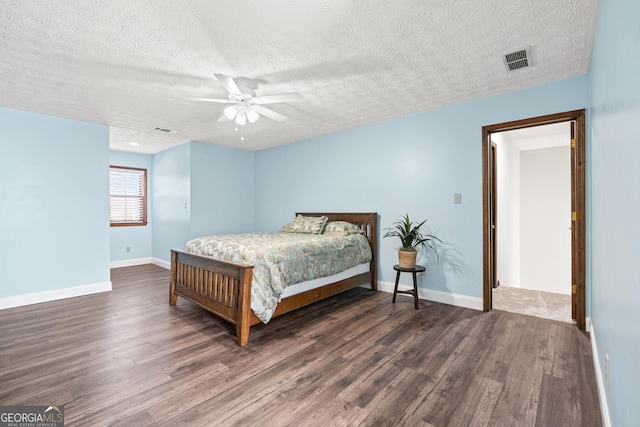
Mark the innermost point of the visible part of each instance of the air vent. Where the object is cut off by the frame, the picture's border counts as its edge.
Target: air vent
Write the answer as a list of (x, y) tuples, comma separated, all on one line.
[(165, 130), (516, 60)]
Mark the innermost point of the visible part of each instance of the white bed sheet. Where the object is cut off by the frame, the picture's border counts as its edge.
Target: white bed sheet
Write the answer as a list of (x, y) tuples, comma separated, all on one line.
[(316, 283)]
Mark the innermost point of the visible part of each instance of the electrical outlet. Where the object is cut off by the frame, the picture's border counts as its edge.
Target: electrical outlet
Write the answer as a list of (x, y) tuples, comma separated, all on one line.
[(457, 198), (127, 249), (606, 369)]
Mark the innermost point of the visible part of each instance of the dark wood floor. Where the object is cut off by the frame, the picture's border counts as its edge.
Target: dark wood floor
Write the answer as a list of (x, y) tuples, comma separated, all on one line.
[(128, 358)]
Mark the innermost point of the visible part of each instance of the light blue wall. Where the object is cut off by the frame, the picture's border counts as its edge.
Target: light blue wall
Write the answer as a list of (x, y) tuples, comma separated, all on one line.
[(411, 165), (615, 204), (200, 189), (137, 238), (221, 190), (171, 199), (54, 205)]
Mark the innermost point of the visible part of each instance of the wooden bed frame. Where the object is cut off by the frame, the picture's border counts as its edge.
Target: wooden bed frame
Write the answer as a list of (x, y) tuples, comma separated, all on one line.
[(224, 287)]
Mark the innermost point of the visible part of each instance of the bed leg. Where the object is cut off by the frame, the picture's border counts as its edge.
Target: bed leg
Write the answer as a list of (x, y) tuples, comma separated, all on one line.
[(242, 335), (173, 297), (374, 277), (244, 307)]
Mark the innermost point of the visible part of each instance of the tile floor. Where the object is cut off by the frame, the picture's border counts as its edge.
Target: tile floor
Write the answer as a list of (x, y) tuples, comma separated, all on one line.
[(546, 305)]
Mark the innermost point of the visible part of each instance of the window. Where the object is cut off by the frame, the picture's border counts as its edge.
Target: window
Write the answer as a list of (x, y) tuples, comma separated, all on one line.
[(127, 196)]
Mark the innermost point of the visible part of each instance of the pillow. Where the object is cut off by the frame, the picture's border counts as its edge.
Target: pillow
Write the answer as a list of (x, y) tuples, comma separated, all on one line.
[(342, 228), (306, 224)]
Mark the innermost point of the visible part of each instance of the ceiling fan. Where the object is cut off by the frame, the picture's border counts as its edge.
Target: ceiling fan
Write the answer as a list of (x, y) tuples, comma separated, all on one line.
[(246, 106)]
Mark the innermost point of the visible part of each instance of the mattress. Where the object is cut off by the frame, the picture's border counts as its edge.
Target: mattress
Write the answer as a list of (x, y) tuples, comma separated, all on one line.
[(299, 288)]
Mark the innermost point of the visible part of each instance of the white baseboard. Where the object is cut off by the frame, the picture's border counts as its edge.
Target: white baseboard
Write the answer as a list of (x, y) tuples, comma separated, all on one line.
[(129, 262), (161, 263), (140, 261), (602, 395), (57, 294), (437, 296)]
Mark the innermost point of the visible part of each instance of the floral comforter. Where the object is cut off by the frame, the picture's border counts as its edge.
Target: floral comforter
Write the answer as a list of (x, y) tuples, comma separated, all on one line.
[(282, 259)]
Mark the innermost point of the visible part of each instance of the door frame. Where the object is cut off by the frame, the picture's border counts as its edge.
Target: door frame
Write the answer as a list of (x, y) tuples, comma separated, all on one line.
[(494, 213), (578, 243)]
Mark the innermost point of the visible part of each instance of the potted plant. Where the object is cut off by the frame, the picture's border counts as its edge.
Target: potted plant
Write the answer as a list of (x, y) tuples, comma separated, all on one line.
[(411, 237)]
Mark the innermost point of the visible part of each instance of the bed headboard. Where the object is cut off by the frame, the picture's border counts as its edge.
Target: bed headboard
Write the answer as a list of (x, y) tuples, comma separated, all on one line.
[(368, 221)]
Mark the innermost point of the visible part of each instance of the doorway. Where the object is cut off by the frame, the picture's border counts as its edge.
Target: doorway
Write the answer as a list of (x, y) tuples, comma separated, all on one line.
[(576, 121), (533, 194)]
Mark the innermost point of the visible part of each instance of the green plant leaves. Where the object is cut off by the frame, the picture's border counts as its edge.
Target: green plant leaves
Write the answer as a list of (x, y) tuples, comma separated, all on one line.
[(410, 235)]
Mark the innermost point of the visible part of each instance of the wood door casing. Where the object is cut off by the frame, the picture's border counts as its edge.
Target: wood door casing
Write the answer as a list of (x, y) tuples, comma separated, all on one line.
[(574, 259), (494, 215), (578, 242)]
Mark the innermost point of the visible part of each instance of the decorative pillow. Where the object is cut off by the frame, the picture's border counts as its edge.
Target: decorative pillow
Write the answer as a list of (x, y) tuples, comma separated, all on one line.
[(306, 224), (342, 228)]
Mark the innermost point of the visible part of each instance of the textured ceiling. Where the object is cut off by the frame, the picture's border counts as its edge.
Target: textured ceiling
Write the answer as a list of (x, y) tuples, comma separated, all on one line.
[(134, 65)]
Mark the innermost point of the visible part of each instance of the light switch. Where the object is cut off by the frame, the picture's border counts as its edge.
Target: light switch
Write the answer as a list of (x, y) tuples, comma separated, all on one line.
[(457, 198)]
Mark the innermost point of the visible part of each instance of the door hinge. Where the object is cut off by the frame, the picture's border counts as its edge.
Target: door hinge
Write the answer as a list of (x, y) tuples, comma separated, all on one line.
[(573, 143), (573, 216), (574, 289)]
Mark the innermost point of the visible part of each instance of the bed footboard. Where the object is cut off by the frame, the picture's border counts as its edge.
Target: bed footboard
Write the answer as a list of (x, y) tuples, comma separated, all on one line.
[(221, 287)]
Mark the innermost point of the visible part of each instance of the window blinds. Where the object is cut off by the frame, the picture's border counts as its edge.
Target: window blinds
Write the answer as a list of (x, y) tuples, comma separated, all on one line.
[(127, 195)]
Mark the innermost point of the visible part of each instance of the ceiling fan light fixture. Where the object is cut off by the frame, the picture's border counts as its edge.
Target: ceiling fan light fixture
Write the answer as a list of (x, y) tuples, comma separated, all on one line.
[(241, 118), (252, 115), (231, 112), (246, 106)]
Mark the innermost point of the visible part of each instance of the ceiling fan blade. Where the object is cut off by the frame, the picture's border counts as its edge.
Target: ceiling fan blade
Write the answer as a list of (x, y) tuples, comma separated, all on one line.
[(224, 118), (270, 113), (229, 84), (274, 99), (219, 101)]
